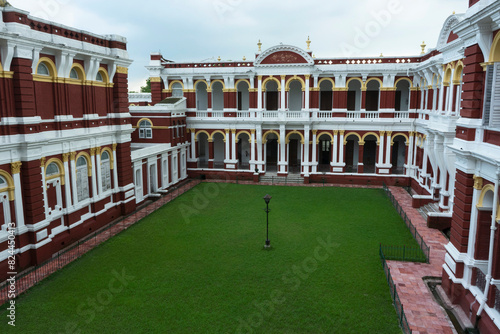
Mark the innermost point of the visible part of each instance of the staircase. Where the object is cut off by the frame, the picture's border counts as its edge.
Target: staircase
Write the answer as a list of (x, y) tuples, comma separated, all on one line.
[(426, 209), (274, 179)]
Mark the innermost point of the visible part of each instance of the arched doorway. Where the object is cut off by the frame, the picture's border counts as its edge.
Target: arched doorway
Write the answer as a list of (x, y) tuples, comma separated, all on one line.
[(352, 154), (219, 150), (354, 95), (243, 96), (201, 96), (203, 150), (326, 95), (243, 151), (217, 96), (272, 96), (369, 154), (295, 96), (294, 154), (271, 147), (372, 95), (324, 153), (398, 158), (402, 102)]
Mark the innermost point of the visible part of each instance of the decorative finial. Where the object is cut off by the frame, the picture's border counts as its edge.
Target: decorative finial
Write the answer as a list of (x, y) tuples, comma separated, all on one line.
[(4, 3), (244, 58), (381, 55), (308, 42), (423, 45), (453, 12), (260, 46), (219, 59), (314, 56)]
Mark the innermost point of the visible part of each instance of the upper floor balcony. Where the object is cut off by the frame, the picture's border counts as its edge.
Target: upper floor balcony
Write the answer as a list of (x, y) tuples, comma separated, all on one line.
[(300, 116)]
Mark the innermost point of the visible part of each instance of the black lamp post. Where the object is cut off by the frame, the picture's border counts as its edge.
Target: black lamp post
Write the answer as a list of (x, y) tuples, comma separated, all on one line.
[(267, 199)]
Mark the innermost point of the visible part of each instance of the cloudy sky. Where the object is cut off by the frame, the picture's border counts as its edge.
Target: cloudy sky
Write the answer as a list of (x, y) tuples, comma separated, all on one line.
[(195, 30)]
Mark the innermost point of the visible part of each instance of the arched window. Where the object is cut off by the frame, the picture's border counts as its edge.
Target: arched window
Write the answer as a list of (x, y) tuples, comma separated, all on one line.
[(354, 96), (99, 77), (105, 171), (74, 74), (43, 70), (82, 178), (372, 95), (145, 129), (52, 170), (177, 90)]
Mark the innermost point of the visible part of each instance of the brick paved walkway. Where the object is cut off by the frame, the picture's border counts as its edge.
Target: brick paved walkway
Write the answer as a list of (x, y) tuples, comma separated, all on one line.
[(424, 315)]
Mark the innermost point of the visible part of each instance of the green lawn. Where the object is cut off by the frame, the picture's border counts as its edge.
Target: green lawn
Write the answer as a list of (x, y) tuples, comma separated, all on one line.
[(198, 266)]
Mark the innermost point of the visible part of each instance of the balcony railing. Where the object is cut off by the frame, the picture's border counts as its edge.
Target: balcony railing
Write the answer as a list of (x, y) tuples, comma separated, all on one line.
[(306, 114)]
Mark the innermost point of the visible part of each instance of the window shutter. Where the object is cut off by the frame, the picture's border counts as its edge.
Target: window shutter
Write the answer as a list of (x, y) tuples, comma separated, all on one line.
[(495, 98), (487, 94)]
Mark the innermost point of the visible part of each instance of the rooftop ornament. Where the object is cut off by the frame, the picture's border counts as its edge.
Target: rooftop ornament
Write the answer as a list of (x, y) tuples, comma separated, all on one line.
[(308, 42), (260, 46), (423, 45)]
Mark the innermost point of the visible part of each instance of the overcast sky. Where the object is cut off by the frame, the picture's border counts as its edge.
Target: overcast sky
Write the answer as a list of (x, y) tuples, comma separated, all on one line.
[(195, 30)]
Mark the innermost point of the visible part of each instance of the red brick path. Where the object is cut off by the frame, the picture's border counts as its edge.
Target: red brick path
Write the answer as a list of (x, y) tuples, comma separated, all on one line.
[(424, 315)]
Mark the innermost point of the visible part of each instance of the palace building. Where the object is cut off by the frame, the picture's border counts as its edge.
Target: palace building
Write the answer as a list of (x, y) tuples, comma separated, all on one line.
[(430, 122), (78, 151), (69, 156)]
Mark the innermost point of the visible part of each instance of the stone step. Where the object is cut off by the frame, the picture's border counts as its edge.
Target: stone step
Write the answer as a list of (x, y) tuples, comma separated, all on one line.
[(282, 179), (426, 209)]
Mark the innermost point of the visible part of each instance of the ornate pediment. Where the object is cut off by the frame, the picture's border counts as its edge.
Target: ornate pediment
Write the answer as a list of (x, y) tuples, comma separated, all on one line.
[(284, 55)]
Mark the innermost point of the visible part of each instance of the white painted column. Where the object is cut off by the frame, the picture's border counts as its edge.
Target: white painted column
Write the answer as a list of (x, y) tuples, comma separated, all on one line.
[(18, 194), (259, 148), (193, 145), (98, 170), (226, 148), (441, 101), (335, 152), (283, 93), (341, 148), (308, 94), (259, 93), (314, 158), (388, 148), (252, 151), (283, 160), (410, 148), (44, 189), (381, 148), (67, 188), (305, 151), (233, 145), (115, 169)]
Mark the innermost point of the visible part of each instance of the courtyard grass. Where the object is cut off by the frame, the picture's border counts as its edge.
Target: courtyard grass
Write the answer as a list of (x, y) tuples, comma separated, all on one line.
[(198, 266)]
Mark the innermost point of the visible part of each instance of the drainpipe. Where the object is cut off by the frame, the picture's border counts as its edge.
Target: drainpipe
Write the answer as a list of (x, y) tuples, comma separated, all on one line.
[(492, 240)]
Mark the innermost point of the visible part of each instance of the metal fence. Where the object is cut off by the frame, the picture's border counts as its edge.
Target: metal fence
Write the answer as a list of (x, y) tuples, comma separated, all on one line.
[(403, 323), (413, 230), (34, 275), (403, 253)]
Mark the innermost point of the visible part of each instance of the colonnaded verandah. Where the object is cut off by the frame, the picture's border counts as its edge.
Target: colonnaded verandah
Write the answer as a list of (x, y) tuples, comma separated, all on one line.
[(78, 151)]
